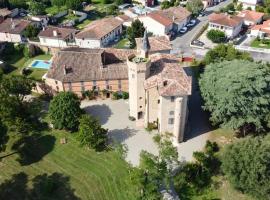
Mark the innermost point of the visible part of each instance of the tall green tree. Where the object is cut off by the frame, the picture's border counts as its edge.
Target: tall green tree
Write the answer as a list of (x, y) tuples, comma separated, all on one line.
[(18, 4), (246, 164), (91, 134), (4, 3), (36, 8), (136, 30), (225, 52), (237, 94), (3, 136), (195, 6), (73, 4), (65, 111)]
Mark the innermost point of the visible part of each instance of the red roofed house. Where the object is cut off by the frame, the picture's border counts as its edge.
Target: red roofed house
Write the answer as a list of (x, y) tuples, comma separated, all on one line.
[(99, 33), (12, 30), (230, 25), (251, 17), (162, 22), (261, 30)]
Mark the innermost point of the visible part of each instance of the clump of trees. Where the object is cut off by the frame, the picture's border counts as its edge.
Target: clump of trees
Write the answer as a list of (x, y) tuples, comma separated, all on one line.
[(31, 31), (65, 111), (136, 30), (36, 7), (216, 36), (195, 7), (196, 177), (91, 134), (70, 4), (236, 93), (246, 164), (167, 4), (225, 52)]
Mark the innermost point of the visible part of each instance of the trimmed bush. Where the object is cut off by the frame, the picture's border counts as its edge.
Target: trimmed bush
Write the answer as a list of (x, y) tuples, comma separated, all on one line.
[(125, 95), (216, 36)]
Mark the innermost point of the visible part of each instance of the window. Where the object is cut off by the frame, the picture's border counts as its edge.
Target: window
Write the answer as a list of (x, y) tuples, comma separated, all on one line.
[(158, 101), (82, 86), (94, 85), (119, 85), (107, 85), (56, 82), (171, 112), (171, 121), (172, 99)]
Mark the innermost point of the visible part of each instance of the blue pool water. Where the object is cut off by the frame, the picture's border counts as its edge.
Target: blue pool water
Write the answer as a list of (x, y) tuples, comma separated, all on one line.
[(41, 64)]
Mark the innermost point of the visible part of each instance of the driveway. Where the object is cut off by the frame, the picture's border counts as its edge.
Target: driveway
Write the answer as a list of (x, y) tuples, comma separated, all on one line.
[(113, 115)]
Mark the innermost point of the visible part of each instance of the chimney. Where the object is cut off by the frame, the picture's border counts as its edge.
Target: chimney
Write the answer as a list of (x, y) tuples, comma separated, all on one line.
[(55, 33), (43, 28)]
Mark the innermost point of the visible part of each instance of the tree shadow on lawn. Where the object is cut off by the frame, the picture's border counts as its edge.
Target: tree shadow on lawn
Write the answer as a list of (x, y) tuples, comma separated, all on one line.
[(33, 148), (120, 135), (101, 112), (55, 186)]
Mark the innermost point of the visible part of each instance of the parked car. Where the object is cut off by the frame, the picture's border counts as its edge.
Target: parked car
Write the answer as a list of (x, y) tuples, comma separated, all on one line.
[(202, 14), (191, 23), (183, 30)]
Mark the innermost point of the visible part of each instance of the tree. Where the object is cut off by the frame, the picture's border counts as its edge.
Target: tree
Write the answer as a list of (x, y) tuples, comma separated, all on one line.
[(31, 31), (246, 164), (236, 93), (165, 4), (18, 3), (239, 7), (4, 3), (216, 36), (3, 136), (58, 3), (136, 30), (15, 112), (225, 52), (73, 4), (195, 6), (91, 134), (65, 111), (36, 8)]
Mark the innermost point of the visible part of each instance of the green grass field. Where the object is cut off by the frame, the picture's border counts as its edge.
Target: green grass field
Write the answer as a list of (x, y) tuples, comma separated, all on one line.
[(261, 43), (92, 175)]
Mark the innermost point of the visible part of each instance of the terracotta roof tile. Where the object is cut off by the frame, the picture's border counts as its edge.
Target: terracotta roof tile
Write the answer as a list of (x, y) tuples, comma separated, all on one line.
[(225, 20), (62, 33), (99, 28), (157, 44), (13, 26), (251, 15)]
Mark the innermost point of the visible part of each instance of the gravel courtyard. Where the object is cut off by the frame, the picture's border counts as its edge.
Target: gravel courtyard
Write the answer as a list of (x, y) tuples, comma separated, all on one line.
[(113, 115)]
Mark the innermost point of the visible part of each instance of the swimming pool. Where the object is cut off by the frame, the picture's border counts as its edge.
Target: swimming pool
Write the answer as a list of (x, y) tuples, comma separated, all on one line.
[(41, 64)]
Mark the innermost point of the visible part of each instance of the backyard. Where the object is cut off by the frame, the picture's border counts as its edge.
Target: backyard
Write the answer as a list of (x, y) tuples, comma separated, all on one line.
[(261, 43)]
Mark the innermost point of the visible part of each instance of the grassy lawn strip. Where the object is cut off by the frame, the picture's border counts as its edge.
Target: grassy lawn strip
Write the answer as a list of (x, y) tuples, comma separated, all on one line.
[(92, 175), (53, 10), (261, 43), (122, 44)]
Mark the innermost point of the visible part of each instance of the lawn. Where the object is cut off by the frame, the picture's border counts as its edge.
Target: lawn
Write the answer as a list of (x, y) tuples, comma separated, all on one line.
[(17, 62), (92, 175), (122, 44), (261, 43), (53, 10)]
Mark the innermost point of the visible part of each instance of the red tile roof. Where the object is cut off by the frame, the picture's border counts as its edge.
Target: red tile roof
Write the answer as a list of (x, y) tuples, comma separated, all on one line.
[(225, 20), (13, 26), (265, 27), (62, 33), (251, 15)]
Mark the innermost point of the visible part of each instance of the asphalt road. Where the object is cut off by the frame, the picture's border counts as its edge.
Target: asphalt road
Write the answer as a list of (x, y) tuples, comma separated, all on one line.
[(182, 42)]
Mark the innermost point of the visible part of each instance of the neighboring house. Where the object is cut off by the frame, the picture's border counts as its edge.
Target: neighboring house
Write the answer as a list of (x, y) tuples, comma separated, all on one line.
[(158, 90), (251, 17), (57, 37), (40, 21), (230, 25), (261, 30), (147, 3), (249, 4), (100, 33), (126, 20), (157, 83), (12, 30), (163, 22)]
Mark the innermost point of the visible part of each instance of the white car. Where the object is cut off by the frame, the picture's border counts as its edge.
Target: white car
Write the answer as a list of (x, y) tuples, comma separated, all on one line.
[(183, 30), (191, 23)]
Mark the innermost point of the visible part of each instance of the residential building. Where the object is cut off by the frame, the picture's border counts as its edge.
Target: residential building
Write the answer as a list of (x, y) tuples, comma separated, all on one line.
[(57, 37), (158, 90), (147, 3), (261, 30), (4, 14), (100, 33), (162, 22), (12, 30), (249, 4), (159, 44), (158, 85), (230, 25), (251, 17)]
